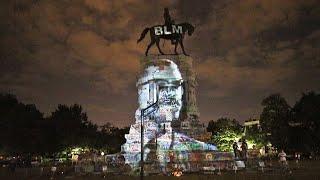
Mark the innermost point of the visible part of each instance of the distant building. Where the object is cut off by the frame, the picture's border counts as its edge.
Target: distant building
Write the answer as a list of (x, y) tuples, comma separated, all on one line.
[(250, 123)]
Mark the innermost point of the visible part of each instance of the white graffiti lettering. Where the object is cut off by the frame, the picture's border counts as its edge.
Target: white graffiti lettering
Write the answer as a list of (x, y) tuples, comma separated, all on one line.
[(160, 30)]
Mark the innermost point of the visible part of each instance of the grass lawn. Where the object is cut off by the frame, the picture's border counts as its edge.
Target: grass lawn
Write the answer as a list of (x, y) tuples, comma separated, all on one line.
[(307, 170)]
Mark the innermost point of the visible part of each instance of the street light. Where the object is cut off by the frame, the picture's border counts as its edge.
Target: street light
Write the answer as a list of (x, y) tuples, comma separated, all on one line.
[(145, 112), (142, 136)]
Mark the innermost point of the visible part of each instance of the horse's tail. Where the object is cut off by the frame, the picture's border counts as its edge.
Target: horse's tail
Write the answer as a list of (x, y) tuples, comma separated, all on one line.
[(143, 34)]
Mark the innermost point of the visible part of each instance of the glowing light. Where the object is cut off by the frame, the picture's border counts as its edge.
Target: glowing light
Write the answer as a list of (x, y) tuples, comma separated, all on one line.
[(177, 173)]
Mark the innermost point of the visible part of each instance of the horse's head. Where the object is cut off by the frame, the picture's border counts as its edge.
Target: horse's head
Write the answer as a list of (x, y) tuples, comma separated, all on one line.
[(190, 29)]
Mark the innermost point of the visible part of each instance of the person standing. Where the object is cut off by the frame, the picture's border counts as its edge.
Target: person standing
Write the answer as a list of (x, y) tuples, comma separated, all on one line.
[(244, 147), (235, 149), (297, 158), (282, 157), (283, 161)]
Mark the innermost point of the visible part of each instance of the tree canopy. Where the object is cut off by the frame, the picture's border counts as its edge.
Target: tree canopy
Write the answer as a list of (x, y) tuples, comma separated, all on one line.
[(223, 124), (24, 129), (305, 132), (274, 120), (224, 132), (294, 128), (20, 126)]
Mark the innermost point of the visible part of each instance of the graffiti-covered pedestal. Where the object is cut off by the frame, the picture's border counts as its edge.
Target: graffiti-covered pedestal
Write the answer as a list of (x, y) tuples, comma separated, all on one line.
[(171, 128)]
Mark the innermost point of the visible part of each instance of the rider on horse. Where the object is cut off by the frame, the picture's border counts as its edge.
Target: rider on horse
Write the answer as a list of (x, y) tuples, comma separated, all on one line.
[(168, 21), (169, 31)]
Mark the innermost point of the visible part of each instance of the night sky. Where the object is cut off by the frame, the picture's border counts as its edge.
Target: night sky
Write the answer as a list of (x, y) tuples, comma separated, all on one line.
[(85, 51)]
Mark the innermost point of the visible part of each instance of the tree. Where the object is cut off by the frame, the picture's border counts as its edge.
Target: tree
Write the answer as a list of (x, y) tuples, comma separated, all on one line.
[(274, 120), (306, 131), (24, 130), (20, 129), (224, 139), (71, 127), (111, 138), (224, 132), (254, 135), (223, 124)]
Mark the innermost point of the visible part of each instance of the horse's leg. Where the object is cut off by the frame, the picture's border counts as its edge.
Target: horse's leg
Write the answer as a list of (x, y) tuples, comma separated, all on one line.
[(182, 47), (151, 43), (157, 42), (175, 47)]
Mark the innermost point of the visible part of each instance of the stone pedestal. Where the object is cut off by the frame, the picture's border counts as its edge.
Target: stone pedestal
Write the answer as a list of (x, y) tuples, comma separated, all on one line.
[(173, 126), (189, 119)]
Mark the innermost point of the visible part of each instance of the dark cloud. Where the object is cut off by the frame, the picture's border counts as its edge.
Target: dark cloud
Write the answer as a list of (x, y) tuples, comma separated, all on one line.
[(85, 51)]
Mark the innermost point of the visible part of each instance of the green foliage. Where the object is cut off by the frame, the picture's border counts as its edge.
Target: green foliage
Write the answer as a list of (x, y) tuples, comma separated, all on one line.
[(224, 139), (224, 132), (223, 124), (255, 136)]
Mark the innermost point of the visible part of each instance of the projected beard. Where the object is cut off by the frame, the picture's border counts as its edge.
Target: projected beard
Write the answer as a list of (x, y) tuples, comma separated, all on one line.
[(169, 103)]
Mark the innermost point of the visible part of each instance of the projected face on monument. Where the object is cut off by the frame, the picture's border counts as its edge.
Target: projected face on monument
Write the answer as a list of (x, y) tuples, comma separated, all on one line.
[(159, 87), (161, 83)]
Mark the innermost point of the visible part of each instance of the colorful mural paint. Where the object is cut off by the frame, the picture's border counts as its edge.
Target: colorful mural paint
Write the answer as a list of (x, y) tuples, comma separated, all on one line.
[(161, 83)]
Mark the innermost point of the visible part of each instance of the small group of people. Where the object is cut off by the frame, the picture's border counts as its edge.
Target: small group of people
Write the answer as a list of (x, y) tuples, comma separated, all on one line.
[(240, 152)]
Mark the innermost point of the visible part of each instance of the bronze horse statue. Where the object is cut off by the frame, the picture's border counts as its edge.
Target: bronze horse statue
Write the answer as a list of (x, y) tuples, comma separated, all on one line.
[(176, 37)]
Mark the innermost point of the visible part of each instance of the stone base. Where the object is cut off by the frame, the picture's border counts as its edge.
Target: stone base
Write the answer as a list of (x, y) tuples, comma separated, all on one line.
[(171, 127)]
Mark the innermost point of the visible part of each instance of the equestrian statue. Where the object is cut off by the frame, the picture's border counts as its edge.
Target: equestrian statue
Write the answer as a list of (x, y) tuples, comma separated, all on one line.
[(169, 31)]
